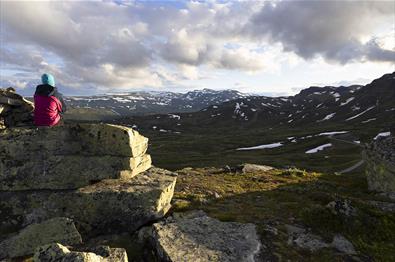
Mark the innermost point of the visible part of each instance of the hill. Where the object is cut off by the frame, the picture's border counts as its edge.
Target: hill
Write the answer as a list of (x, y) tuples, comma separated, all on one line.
[(331, 120), (138, 103)]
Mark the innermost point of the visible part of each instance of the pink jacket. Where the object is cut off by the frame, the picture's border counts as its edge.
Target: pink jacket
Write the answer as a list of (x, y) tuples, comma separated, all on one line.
[(46, 110)]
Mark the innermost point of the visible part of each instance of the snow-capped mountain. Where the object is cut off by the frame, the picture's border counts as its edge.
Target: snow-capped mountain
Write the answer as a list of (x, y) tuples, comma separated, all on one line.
[(134, 103), (352, 106)]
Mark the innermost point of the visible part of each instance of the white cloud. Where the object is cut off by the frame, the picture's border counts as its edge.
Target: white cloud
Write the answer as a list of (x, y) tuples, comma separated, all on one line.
[(144, 44)]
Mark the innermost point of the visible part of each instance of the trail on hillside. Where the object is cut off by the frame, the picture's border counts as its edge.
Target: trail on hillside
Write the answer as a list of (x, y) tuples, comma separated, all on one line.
[(351, 168), (355, 166)]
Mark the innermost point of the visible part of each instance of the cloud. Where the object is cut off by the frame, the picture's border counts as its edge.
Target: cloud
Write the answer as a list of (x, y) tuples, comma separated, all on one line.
[(109, 45), (332, 29)]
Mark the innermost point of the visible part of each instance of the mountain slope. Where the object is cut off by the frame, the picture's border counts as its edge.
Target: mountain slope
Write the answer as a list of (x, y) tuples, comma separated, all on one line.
[(343, 106), (135, 103), (330, 122)]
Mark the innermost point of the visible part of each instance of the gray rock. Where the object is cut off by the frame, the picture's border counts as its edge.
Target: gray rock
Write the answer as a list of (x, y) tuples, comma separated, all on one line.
[(59, 229), (246, 168), (380, 164), (68, 172), (252, 168), (197, 237), (303, 239), (72, 139), (341, 207), (14, 109), (343, 245), (69, 157), (383, 206), (107, 206), (56, 252)]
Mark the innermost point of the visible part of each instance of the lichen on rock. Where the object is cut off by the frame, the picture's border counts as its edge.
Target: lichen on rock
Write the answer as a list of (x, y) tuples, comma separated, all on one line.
[(380, 159), (197, 237), (59, 229), (70, 156), (56, 252)]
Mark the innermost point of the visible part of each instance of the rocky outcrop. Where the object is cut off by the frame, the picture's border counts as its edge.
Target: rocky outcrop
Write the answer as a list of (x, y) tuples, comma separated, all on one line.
[(70, 156), (107, 206), (14, 109), (246, 168), (56, 252), (380, 164), (197, 237), (98, 175), (304, 239), (23, 243)]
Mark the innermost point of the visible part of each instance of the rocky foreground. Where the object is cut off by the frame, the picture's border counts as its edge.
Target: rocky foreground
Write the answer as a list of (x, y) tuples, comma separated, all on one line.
[(97, 177)]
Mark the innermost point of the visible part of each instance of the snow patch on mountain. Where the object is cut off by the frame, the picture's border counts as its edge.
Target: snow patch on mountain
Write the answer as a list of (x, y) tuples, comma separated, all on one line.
[(382, 134), (272, 145), (318, 148), (347, 101), (327, 117), (353, 117)]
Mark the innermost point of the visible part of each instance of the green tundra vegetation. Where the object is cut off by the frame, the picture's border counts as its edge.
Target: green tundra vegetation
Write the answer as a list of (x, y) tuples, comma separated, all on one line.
[(291, 196)]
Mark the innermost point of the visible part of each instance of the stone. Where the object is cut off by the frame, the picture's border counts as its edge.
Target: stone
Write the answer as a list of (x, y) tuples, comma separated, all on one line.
[(303, 239), (67, 171), (246, 168), (70, 156), (341, 207), (111, 205), (383, 206), (59, 229), (10, 101), (14, 109), (379, 156), (72, 139), (4, 109), (197, 237), (56, 252), (252, 168), (343, 245), (2, 123)]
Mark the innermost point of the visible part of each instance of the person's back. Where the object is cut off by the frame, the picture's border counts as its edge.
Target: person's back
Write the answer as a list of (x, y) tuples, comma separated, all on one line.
[(48, 103)]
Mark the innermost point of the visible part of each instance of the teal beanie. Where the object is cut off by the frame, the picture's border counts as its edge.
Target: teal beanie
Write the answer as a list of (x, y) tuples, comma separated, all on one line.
[(48, 79)]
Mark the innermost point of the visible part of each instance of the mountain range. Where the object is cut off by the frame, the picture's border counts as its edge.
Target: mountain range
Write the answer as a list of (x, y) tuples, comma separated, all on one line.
[(138, 103), (321, 128), (353, 105)]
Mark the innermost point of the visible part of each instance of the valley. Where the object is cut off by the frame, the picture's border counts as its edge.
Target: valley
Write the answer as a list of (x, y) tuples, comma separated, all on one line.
[(211, 136)]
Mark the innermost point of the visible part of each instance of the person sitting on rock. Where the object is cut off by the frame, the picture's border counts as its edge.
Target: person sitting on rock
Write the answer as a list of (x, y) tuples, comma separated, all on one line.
[(48, 102)]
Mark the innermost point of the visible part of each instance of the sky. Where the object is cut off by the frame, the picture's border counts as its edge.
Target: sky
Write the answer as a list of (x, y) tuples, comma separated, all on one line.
[(263, 47)]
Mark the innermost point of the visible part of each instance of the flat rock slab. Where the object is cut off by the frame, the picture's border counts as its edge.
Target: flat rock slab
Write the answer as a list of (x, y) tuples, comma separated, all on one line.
[(251, 168), (68, 172), (198, 237), (107, 206), (56, 252), (72, 139), (25, 242)]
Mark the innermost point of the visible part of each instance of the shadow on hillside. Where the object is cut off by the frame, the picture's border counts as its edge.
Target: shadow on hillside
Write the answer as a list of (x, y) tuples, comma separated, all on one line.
[(371, 231)]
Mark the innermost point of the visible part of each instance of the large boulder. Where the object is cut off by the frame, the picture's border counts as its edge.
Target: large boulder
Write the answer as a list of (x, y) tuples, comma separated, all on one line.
[(380, 164), (24, 243), (197, 237), (68, 172), (70, 156), (14, 109), (107, 206), (72, 139), (56, 252)]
